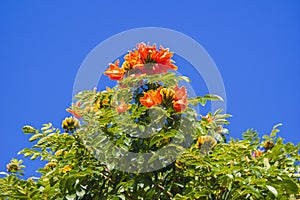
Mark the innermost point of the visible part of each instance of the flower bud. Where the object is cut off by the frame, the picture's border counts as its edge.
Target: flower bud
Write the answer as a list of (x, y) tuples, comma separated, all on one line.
[(12, 167), (167, 94), (50, 165), (268, 145), (59, 152), (206, 140), (66, 169), (126, 66), (70, 124)]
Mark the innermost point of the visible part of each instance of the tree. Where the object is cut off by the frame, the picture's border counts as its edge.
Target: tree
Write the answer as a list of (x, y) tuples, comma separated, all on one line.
[(142, 139)]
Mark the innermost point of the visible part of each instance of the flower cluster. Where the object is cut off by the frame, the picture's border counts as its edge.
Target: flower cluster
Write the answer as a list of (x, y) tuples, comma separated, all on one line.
[(146, 59), (150, 60), (177, 97)]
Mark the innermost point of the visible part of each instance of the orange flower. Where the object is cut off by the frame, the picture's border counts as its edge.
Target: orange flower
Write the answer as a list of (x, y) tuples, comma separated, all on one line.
[(73, 112), (257, 153), (208, 118), (132, 59), (114, 72), (146, 52), (149, 54), (160, 59), (122, 107), (151, 98), (180, 100)]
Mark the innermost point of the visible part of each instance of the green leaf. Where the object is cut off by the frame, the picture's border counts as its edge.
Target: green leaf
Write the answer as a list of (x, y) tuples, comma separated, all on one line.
[(290, 186), (26, 151), (195, 101), (272, 190), (277, 125), (46, 126), (184, 78), (71, 196), (266, 163), (20, 196), (203, 100), (3, 173), (275, 130), (250, 135), (218, 111), (35, 155), (156, 139), (213, 97), (43, 140), (80, 194), (229, 176), (28, 129), (222, 116), (36, 136)]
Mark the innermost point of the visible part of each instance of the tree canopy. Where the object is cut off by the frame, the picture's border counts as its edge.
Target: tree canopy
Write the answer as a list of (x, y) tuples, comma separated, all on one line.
[(145, 139)]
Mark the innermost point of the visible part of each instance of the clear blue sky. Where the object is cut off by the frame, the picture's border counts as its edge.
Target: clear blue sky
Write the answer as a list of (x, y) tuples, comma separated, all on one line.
[(255, 44)]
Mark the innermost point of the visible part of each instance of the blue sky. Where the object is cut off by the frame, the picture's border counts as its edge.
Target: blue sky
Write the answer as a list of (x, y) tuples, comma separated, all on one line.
[(255, 45)]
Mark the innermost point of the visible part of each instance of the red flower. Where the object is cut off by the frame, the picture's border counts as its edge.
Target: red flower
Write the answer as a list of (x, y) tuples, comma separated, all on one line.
[(114, 72), (180, 101), (161, 68), (73, 112), (180, 105), (151, 98)]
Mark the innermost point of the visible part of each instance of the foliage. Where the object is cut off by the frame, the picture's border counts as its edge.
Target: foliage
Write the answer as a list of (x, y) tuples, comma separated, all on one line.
[(145, 112)]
